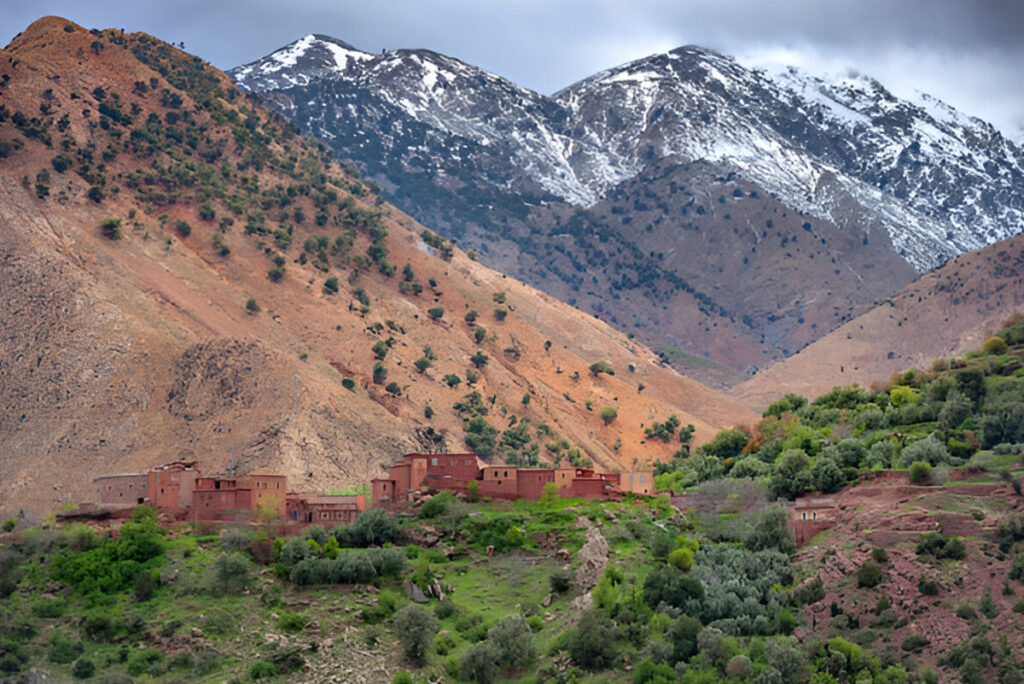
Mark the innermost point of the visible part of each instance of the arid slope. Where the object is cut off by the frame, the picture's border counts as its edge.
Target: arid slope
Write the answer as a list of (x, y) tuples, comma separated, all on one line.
[(119, 354), (948, 311)]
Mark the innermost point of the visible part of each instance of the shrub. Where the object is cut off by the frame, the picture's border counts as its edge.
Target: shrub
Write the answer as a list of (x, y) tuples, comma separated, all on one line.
[(252, 306), (480, 663), (927, 586), (445, 609), (965, 612), (591, 644), (940, 546), (869, 574), (262, 669), (393, 388), (987, 606), (608, 414), (111, 228), (994, 345), (402, 677), (415, 628), (920, 473), (292, 622), (83, 669), (681, 558), (231, 573), (514, 641), (669, 585), (63, 650), (560, 581), (435, 313), (331, 286), (599, 367), (183, 228), (914, 643)]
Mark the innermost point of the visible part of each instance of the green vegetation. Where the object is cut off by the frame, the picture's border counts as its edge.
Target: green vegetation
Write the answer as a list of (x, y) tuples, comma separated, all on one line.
[(111, 228), (927, 422)]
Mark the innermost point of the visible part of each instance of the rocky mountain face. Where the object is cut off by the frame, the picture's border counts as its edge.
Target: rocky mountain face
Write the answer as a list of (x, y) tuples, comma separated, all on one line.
[(505, 170), (186, 277)]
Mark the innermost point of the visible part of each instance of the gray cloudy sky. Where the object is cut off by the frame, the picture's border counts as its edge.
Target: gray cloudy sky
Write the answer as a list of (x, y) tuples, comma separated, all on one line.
[(969, 53)]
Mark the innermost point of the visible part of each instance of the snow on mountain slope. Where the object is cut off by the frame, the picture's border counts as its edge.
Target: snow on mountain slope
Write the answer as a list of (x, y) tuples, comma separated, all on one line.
[(938, 182), (844, 149)]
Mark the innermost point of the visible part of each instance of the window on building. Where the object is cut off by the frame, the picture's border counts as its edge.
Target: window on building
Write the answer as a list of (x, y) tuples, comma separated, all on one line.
[(814, 515), (433, 461), (506, 474), (641, 478)]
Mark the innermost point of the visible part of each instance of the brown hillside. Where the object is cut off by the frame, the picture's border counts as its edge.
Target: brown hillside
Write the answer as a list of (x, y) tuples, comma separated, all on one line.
[(119, 354), (948, 311)]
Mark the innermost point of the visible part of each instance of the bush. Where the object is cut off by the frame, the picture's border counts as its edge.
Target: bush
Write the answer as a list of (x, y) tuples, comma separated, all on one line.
[(560, 581), (592, 644), (292, 622), (940, 546), (63, 650), (920, 473), (252, 306), (681, 558), (231, 573), (869, 574), (480, 663), (262, 669), (914, 643), (608, 414), (445, 609), (994, 345), (331, 286), (111, 228), (435, 313), (183, 228), (514, 641), (415, 628), (83, 669)]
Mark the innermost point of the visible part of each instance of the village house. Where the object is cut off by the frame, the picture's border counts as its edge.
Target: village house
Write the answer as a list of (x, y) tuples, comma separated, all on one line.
[(327, 510), (809, 515), (181, 491), (416, 473), (239, 499)]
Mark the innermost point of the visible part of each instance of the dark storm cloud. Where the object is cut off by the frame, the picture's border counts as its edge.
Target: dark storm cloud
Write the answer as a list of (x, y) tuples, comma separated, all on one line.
[(967, 52)]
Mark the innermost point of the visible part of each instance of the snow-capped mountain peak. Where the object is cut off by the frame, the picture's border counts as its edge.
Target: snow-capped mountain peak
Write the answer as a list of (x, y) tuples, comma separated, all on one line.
[(298, 63), (842, 148)]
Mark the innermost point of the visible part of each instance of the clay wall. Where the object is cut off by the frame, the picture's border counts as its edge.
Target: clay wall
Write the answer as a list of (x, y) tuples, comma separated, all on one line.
[(125, 488)]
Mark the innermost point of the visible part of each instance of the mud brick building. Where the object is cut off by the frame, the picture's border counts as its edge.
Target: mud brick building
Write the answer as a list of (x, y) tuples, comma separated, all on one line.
[(416, 473)]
